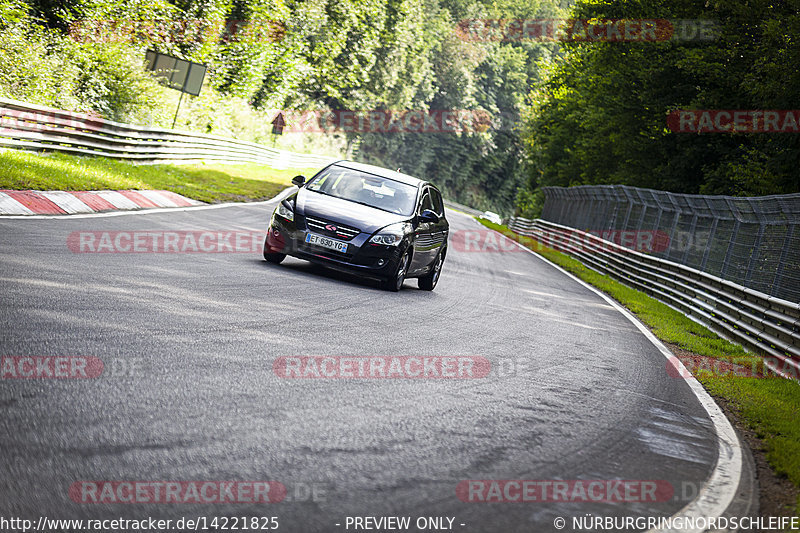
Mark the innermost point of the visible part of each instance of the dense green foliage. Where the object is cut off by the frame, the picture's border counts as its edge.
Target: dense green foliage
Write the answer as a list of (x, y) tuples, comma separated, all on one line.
[(591, 112), (482, 169), (39, 63), (327, 55), (600, 116)]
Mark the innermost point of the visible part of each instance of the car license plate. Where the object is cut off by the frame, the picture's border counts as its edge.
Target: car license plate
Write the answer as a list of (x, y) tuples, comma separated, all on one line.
[(325, 242)]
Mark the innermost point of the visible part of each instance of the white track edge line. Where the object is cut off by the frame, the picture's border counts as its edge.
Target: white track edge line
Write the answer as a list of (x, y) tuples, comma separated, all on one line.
[(714, 498), (155, 210), (280, 196)]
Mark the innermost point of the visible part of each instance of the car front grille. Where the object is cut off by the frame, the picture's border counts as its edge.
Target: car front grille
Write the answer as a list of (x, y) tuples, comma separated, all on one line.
[(331, 229)]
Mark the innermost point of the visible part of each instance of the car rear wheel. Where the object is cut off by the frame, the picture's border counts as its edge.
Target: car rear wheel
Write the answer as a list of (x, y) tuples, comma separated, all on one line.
[(429, 280), (395, 283), (273, 257)]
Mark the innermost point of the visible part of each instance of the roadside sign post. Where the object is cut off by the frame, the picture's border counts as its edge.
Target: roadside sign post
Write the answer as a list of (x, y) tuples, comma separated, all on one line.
[(179, 74), (278, 123), (174, 120)]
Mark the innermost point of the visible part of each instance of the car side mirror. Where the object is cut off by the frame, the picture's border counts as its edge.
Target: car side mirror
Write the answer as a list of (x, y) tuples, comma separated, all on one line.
[(428, 215), (299, 180)]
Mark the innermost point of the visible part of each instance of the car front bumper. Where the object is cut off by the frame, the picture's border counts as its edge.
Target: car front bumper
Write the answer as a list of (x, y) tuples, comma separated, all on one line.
[(368, 260)]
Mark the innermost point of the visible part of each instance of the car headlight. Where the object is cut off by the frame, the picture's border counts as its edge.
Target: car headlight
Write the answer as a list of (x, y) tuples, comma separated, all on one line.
[(392, 235), (285, 212)]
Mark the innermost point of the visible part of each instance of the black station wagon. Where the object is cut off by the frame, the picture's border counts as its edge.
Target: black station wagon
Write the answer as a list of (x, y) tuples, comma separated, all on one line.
[(363, 219)]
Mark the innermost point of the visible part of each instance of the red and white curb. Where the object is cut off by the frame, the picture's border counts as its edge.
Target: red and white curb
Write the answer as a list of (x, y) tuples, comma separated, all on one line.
[(69, 203)]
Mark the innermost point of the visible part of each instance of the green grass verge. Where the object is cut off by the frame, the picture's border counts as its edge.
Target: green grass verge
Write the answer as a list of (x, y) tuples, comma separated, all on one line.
[(769, 406), (758, 400), (208, 183)]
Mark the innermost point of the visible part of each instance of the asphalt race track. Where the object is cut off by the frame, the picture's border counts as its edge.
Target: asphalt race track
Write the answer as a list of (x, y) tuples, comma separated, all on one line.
[(188, 392)]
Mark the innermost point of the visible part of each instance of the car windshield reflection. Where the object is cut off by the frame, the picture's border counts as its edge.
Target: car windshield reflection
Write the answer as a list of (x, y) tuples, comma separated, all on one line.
[(368, 189)]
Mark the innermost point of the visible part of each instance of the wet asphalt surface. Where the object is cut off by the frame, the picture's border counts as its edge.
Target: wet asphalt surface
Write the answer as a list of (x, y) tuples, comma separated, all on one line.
[(188, 392)]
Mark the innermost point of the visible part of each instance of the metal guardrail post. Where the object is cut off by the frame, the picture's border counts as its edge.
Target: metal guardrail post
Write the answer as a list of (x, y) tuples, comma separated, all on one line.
[(606, 216), (754, 254), (711, 233), (692, 229), (628, 211), (564, 206), (732, 243), (645, 207), (778, 280), (674, 229), (710, 240), (660, 214), (615, 202), (585, 214)]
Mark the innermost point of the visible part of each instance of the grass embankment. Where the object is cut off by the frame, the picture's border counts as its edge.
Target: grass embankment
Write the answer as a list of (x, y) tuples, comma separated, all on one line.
[(208, 183), (769, 406)]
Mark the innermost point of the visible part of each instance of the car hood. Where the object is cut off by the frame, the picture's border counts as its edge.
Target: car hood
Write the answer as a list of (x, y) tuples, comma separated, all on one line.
[(367, 219)]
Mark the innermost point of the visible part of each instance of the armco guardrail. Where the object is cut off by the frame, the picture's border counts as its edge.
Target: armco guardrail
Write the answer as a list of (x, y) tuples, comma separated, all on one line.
[(751, 241), (764, 324), (463, 208), (33, 127)]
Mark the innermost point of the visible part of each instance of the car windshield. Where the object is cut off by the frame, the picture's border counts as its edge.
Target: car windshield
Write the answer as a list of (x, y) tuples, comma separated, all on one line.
[(367, 189)]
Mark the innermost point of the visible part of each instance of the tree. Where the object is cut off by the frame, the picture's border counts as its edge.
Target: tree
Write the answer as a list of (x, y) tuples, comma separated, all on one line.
[(600, 116)]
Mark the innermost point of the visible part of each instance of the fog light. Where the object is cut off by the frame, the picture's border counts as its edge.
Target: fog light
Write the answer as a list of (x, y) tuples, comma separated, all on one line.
[(381, 262)]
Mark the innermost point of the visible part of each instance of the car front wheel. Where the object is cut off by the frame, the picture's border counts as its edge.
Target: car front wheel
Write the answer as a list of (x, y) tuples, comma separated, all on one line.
[(395, 283), (429, 280), (273, 257)]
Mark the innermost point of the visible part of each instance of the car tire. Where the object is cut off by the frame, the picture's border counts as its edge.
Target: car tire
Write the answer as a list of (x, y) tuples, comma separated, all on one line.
[(428, 281), (273, 257), (395, 283)]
